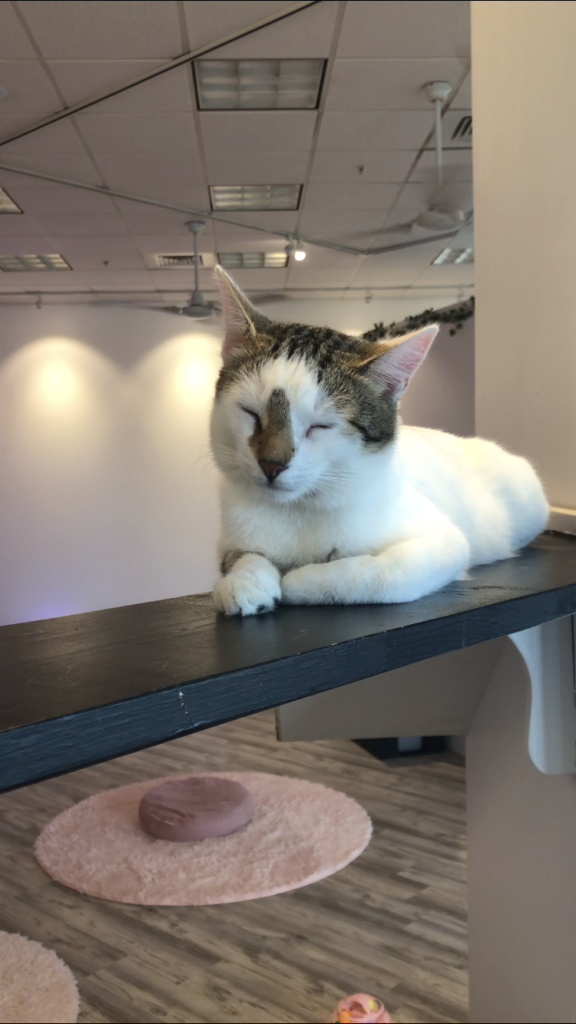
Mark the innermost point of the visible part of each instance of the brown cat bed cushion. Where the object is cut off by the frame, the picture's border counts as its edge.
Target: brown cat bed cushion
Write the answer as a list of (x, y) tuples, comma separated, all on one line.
[(201, 807)]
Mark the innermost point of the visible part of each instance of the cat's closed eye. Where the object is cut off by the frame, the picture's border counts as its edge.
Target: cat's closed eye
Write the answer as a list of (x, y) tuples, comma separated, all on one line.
[(319, 426), (251, 413)]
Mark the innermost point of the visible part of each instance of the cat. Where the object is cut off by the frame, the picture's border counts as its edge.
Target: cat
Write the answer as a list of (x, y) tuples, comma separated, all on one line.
[(326, 498)]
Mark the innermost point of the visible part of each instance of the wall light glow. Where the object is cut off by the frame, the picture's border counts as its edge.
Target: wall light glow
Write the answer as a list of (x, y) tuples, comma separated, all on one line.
[(195, 378), (57, 384)]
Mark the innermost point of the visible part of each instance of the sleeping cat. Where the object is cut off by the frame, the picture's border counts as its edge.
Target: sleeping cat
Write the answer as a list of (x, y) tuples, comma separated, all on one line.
[(326, 498)]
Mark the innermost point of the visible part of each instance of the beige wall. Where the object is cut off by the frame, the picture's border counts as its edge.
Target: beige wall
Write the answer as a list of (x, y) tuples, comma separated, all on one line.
[(524, 95)]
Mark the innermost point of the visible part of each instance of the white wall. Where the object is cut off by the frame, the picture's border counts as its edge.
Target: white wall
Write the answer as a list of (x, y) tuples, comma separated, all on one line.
[(524, 91), (108, 493)]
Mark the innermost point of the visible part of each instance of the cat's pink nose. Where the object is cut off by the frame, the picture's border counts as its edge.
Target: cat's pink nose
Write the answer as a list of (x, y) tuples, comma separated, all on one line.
[(271, 469)]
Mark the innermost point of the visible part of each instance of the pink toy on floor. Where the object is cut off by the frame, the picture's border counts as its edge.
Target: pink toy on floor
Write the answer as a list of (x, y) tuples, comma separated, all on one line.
[(361, 1009)]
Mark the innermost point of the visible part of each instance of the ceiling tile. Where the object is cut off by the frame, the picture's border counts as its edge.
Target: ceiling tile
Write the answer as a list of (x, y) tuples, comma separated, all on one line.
[(74, 166), (30, 90), (266, 280), (170, 244), (393, 269), (155, 176), (23, 245), (308, 33), (138, 133), (80, 224), (256, 168), (57, 138), (323, 223), (95, 261), (371, 130), (105, 246), (90, 29), (110, 280), (208, 22), (148, 220), (332, 196), (417, 28), (257, 131), (179, 279), (301, 276), (447, 273), (14, 225), (60, 200), (457, 166), (343, 166), (388, 84), (14, 43), (80, 80)]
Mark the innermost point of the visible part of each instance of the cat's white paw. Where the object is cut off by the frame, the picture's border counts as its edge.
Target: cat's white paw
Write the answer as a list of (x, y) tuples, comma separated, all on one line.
[(306, 585), (249, 589)]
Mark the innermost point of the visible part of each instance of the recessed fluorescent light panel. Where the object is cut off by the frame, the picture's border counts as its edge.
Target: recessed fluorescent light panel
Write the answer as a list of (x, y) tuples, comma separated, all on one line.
[(252, 260), (255, 197), (454, 256), (51, 261), (179, 260), (258, 84), (7, 205)]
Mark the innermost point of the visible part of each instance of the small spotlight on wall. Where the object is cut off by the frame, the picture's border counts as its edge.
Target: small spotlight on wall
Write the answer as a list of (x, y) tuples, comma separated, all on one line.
[(299, 252)]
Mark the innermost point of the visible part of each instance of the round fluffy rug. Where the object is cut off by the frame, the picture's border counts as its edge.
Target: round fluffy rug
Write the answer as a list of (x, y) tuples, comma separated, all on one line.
[(301, 832), (36, 987)]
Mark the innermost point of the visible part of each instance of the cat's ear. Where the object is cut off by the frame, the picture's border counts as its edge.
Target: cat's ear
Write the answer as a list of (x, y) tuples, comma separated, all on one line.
[(391, 364), (242, 319)]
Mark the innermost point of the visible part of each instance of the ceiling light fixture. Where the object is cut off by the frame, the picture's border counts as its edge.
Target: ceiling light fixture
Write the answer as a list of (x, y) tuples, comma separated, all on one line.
[(7, 204), (299, 252), (49, 261), (255, 197), (258, 84), (252, 260), (454, 256)]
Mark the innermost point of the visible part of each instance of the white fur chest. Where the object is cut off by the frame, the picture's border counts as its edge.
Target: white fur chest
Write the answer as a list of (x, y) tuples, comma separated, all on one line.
[(299, 533)]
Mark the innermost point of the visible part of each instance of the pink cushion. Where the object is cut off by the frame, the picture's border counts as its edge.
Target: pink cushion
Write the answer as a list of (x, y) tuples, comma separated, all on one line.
[(201, 807)]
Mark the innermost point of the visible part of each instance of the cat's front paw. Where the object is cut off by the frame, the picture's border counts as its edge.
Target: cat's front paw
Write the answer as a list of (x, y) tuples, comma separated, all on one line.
[(249, 589), (306, 585)]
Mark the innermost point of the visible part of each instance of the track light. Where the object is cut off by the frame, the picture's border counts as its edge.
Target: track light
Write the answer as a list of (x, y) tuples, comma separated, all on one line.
[(299, 252)]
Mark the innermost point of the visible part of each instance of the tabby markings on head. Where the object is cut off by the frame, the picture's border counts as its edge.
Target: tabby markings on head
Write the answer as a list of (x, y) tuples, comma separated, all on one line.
[(338, 362)]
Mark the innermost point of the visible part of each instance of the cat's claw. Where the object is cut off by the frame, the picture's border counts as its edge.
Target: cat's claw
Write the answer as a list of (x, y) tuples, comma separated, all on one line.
[(248, 592)]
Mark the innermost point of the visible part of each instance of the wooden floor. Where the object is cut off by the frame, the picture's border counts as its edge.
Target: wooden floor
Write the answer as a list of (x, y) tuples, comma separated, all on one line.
[(393, 923)]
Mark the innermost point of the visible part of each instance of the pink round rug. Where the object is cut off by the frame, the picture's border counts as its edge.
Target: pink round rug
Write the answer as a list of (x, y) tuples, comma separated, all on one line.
[(36, 987), (301, 832)]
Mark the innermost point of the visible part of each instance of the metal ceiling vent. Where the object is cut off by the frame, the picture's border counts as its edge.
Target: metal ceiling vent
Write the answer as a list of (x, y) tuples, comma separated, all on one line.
[(176, 262), (463, 129)]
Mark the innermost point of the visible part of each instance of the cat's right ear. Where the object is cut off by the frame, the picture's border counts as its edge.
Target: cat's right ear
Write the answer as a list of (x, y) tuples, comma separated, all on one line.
[(242, 319)]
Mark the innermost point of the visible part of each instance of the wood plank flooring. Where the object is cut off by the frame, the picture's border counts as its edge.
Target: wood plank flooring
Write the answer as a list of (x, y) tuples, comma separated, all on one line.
[(392, 923)]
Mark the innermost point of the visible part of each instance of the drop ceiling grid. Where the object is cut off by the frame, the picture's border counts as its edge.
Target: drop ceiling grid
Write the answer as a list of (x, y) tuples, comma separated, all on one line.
[(151, 140)]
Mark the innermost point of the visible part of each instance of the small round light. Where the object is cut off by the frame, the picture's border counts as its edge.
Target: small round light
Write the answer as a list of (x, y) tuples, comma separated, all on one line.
[(299, 253)]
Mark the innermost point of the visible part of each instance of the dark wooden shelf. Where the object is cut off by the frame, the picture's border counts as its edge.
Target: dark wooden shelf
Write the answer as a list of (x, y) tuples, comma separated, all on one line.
[(86, 688)]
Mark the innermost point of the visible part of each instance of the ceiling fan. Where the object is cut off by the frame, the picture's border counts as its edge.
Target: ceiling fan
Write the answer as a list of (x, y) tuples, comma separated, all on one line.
[(442, 219), (197, 308)]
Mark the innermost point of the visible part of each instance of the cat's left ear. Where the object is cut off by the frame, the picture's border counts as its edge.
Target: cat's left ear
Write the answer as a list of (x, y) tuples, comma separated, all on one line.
[(243, 321), (391, 364)]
